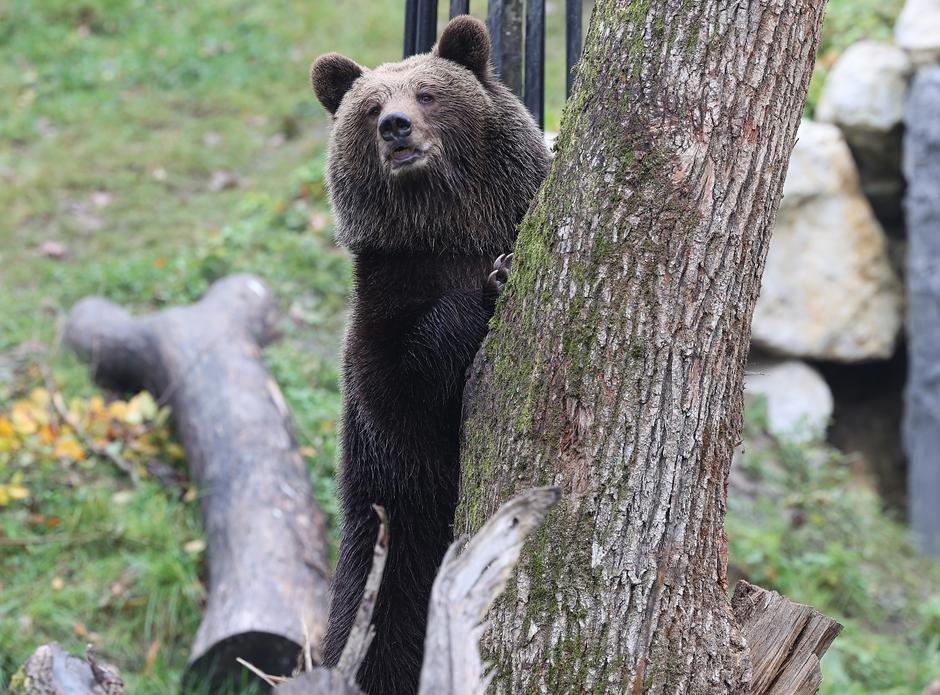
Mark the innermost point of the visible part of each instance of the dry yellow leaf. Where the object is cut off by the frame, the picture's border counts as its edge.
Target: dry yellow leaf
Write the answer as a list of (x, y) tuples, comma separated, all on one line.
[(69, 449), (39, 397), (6, 428), (141, 407), (23, 417), (117, 410), (195, 546), (46, 435)]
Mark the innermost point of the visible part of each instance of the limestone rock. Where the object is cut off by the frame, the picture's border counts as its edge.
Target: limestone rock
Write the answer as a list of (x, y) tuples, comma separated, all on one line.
[(864, 95), (866, 88), (799, 402), (829, 291), (918, 30)]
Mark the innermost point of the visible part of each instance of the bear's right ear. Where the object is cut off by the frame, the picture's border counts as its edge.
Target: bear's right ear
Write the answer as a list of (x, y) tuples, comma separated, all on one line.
[(466, 42), (331, 76)]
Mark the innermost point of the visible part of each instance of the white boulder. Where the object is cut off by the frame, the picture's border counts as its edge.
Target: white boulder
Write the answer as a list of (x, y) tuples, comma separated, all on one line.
[(864, 95), (918, 30), (799, 402), (829, 290), (866, 89)]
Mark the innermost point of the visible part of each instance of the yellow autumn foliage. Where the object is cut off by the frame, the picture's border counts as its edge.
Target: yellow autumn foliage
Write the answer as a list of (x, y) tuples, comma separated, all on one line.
[(42, 429)]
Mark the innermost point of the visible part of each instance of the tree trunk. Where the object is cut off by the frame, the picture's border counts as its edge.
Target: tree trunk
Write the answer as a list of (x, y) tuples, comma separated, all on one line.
[(614, 365)]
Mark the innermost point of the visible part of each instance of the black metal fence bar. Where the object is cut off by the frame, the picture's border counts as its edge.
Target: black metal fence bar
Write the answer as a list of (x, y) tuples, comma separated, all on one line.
[(411, 26), (427, 25), (535, 59), (572, 40), (504, 19)]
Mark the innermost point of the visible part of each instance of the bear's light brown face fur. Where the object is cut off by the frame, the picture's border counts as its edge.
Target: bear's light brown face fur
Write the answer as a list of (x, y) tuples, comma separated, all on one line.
[(444, 104), (432, 153)]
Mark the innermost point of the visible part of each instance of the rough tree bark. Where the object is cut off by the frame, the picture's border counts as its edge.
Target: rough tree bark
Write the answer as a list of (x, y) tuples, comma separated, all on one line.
[(614, 365), (266, 537)]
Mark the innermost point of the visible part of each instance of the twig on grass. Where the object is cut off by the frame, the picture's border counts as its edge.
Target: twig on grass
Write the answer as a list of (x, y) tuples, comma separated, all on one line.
[(267, 678)]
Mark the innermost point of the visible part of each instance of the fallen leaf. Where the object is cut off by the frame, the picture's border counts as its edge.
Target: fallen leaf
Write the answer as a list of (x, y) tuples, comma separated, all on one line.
[(195, 546), (117, 410), (123, 497), (17, 492), (24, 418), (68, 448)]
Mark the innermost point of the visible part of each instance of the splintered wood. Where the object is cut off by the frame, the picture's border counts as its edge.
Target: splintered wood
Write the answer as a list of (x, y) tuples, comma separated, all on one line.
[(786, 640)]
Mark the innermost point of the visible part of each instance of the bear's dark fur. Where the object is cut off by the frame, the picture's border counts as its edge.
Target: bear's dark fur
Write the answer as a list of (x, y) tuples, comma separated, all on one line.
[(432, 164)]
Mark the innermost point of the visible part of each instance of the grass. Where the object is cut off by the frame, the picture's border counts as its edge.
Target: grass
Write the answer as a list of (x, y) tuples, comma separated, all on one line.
[(817, 539), (165, 144)]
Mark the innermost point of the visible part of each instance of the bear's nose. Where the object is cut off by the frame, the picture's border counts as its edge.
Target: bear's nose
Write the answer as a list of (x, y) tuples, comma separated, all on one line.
[(394, 126)]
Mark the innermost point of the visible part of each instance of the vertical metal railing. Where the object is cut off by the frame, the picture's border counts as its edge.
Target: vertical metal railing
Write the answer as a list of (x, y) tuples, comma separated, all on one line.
[(573, 9), (534, 94), (505, 22)]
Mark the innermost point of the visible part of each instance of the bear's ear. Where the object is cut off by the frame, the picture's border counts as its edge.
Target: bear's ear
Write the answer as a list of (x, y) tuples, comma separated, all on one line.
[(331, 76), (466, 42)]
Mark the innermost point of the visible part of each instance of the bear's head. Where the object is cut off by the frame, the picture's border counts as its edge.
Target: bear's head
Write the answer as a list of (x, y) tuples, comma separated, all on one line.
[(429, 154)]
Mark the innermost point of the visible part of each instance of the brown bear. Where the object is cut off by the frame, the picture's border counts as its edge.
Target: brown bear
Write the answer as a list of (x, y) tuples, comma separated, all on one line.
[(432, 164)]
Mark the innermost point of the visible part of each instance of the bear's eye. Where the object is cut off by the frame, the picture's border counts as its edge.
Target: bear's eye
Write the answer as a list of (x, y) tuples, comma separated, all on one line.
[(373, 112), (425, 98)]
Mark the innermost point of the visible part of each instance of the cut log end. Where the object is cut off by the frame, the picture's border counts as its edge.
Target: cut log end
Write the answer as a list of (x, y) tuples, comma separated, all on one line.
[(219, 668), (786, 640)]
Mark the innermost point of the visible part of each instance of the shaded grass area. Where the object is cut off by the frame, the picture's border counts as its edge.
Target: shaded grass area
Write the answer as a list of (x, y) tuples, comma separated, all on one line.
[(165, 144)]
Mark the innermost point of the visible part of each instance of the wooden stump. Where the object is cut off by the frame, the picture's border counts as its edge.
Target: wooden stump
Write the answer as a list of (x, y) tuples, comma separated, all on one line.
[(786, 640), (267, 551), (53, 671)]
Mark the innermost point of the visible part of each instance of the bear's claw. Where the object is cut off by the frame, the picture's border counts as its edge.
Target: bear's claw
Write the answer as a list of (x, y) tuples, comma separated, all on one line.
[(500, 274), (496, 279)]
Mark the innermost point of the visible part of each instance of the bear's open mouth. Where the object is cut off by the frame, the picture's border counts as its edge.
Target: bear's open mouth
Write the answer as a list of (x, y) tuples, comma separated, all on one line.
[(403, 155)]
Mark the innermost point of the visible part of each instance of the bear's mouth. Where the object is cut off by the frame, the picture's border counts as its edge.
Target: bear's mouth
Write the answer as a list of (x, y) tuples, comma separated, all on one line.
[(404, 155)]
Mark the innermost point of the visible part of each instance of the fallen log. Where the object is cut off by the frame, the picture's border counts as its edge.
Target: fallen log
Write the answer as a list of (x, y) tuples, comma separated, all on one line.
[(786, 640), (267, 551), (53, 671)]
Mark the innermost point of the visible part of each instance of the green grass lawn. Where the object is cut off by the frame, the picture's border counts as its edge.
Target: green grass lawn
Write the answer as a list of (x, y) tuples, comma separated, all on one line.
[(164, 144)]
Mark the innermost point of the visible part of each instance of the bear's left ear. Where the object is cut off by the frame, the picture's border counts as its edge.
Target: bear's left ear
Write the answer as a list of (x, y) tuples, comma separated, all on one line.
[(466, 42), (331, 76)]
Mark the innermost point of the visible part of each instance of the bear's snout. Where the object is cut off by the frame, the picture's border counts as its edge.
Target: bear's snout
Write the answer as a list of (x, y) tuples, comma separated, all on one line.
[(394, 126)]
